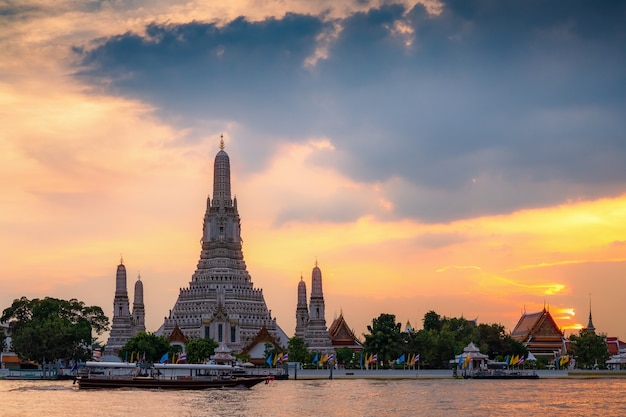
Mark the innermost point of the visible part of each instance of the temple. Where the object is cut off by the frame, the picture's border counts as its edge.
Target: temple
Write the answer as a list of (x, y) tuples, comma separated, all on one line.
[(540, 334), (311, 319), (125, 324), (341, 336), (221, 302)]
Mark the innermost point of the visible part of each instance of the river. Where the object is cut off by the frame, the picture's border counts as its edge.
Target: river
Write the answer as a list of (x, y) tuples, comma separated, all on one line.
[(323, 398)]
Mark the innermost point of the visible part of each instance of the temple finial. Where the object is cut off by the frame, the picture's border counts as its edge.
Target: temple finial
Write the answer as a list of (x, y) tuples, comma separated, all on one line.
[(222, 142), (121, 259)]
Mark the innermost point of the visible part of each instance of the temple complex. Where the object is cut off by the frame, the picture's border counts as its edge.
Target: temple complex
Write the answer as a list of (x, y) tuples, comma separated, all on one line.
[(221, 302), (125, 324), (540, 334)]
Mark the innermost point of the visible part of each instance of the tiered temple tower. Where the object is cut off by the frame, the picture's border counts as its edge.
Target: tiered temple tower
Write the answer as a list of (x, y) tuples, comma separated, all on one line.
[(221, 302), (302, 311), (316, 334), (124, 324), (139, 310)]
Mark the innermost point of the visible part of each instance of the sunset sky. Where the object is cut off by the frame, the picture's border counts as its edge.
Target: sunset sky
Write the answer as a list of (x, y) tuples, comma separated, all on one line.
[(461, 156)]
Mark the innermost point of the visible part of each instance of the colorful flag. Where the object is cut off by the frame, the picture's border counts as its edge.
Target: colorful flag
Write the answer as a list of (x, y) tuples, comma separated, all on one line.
[(460, 360), (315, 359), (400, 359), (520, 361), (324, 358), (285, 357), (164, 358), (269, 360), (416, 358), (182, 358), (374, 358), (331, 357), (507, 360), (276, 358)]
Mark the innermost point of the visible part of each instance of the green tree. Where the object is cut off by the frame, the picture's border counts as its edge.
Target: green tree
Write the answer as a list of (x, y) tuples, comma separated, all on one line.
[(148, 344), (199, 350), (589, 349), (344, 355), (432, 321), (53, 329), (297, 350), (3, 339), (384, 338)]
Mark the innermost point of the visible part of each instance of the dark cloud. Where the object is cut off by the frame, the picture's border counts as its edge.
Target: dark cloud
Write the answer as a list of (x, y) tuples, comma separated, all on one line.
[(528, 97)]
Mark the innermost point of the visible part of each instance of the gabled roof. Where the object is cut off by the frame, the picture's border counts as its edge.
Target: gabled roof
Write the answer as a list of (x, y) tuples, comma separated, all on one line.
[(341, 335), (540, 324), (177, 336), (263, 336)]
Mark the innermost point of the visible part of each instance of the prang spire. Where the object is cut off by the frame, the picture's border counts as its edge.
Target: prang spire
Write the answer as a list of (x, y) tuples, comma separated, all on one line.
[(590, 327)]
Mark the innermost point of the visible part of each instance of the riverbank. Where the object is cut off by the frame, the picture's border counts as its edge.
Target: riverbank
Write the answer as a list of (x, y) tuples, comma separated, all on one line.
[(305, 374)]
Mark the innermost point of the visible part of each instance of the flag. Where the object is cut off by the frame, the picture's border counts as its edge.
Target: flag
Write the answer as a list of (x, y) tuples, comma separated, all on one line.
[(324, 358), (182, 358), (285, 357), (331, 357), (269, 360), (514, 360), (164, 358), (507, 360), (400, 359), (416, 358), (460, 360), (374, 358), (315, 359), (410, 361), (520, 361), (467, 360), (74, 367), (276, 358)]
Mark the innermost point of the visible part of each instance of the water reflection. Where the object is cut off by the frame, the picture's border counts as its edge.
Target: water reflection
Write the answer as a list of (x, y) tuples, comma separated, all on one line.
[(339, 398)]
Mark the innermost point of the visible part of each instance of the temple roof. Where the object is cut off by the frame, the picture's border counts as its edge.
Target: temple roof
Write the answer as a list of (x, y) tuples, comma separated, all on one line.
[(263, 336), (177, 336), (536, 325), (341, 335)]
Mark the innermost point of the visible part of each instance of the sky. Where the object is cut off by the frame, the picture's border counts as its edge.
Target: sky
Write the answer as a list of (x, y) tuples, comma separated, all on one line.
[(461, 156)]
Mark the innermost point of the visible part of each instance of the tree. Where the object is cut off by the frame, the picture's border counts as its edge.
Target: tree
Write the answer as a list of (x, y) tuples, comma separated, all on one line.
[(432, 321), (3, 338), (53, 329), (199, 350), (589, 349), (297, 350), (384, 338), (344, 355), (148, 344)]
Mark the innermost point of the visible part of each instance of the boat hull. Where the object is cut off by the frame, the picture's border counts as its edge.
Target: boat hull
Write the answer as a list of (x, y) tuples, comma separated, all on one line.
[(169, 384)]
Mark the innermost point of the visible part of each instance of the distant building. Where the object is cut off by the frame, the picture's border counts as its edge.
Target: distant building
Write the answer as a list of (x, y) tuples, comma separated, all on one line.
[(311, 320), (540, 334), (221, 302), (125, 324)]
